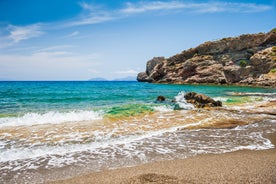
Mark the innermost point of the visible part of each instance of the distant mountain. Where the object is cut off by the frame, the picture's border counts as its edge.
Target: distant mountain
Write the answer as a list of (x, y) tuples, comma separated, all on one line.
[(98, 79), (129, 78)]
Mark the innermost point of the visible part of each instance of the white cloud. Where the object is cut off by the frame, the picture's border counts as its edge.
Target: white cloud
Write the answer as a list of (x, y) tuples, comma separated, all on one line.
[(73, 34), (86, 6), (217, 7), (15, 34), (94, 14), (150, 6), (55, 48), (19, 33), (52, 54), (130, 72), (210, 7), (251, 7), (91, 19), (51, 65)]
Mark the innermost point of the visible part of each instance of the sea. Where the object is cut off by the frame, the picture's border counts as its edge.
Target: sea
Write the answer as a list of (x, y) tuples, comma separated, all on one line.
[(57, 130)]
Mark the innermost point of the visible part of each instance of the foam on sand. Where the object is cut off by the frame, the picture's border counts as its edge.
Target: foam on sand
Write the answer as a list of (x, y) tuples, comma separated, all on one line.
[(50, 118)]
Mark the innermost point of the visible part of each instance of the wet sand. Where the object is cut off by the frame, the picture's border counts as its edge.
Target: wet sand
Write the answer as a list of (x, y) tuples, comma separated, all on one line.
[(235, 167)]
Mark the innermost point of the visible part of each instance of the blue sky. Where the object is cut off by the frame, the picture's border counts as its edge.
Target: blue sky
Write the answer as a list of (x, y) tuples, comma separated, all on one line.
[(83, 39)]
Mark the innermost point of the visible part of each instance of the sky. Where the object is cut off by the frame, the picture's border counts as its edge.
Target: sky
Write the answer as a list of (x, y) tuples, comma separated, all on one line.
[(83, 39)]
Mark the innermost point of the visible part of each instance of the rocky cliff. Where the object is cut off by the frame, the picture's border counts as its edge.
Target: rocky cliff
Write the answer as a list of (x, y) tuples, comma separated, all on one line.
[(248, 59)]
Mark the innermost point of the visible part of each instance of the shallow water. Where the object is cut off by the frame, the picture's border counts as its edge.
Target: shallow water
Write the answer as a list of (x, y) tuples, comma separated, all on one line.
[(53, 130)]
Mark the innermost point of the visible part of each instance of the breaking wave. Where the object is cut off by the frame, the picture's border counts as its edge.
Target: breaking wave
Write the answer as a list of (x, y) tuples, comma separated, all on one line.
[(50, 118)]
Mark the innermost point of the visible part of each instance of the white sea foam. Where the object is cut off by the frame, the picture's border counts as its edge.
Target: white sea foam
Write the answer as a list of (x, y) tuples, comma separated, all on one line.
[(273, 95), (222, 99), (103, 141), (50, 118), (164, 108), (181, 102), (260, 143), (134, 149)]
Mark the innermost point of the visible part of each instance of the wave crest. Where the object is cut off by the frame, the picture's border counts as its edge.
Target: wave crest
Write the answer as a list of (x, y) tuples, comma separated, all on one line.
[(181, 102), (51, 117)]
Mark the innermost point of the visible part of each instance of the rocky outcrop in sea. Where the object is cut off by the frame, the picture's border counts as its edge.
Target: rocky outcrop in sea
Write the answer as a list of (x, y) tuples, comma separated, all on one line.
[(249, 59)]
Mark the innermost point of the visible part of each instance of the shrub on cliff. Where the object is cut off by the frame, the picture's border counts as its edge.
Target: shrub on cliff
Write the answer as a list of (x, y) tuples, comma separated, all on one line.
[(273, 30), (243, 63), (274, 49), (274, 53), (273, 70)]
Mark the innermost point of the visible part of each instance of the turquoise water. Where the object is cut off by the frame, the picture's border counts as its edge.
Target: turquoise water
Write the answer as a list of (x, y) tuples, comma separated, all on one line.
[(54, 130), (19, 98)]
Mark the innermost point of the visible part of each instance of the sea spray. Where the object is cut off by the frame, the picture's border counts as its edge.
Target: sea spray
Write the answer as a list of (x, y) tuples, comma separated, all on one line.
[(50, 118), (181, 103)]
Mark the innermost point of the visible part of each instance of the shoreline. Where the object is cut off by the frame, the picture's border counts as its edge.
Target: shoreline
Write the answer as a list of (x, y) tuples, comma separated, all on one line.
[(244, 166), (217, 84)]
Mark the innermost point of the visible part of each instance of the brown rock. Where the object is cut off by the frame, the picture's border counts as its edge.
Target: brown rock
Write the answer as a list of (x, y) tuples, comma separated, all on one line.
[(143, 77), (160, 99), (232, 73), (201, 100), (218, 62), (152, 63)]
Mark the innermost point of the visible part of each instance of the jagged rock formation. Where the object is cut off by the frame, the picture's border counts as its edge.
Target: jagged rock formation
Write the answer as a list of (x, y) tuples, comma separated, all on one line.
[(247, 59), (201, 100)]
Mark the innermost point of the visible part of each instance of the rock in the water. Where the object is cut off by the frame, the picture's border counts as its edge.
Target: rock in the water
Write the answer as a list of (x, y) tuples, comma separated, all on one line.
[(201, 100), (160, 99)]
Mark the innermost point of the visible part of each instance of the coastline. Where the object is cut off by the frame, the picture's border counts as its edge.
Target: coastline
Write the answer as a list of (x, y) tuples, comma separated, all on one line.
[(218, 84), (243, 60), (245, 166)]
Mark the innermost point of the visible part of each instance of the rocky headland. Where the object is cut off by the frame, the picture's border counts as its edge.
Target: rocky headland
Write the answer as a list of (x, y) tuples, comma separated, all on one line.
[(248, 59)]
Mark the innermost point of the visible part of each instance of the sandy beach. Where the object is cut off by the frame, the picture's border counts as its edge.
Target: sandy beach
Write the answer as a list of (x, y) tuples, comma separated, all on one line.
[(235, 167)]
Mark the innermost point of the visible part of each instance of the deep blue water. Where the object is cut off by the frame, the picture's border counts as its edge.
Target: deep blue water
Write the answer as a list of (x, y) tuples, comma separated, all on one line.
[(19, 98)]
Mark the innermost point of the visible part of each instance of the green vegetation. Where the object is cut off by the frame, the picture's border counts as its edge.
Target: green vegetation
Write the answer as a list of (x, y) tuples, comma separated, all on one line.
[(273, 70), (274, 49), (243, 63), (273, 53), (273, 30)]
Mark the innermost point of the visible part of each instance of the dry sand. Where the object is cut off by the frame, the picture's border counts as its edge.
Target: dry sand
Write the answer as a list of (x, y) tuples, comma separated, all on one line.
[(236, 167)]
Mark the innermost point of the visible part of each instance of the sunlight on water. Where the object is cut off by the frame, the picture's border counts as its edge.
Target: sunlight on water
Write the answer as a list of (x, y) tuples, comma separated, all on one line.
[(52, 127)]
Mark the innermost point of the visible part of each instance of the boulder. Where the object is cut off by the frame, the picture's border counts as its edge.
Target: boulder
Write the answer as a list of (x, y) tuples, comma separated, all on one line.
[(232, 73), (158, 72), (270, 38), (263, 61), (152, 63), (201, 100), (160, 99), (143, 77)]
